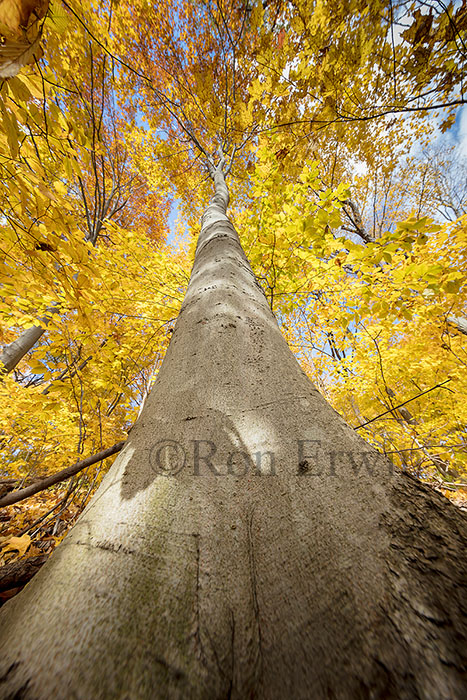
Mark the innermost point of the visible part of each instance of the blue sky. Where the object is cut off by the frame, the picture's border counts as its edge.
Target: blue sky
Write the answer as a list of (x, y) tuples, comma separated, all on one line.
[(458, 133)]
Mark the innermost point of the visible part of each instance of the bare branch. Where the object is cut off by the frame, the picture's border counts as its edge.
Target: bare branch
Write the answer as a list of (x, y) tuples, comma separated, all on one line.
[(391, 410), (28, 491)]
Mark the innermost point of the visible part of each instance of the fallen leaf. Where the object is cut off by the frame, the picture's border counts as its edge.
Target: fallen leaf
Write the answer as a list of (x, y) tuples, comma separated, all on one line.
[(19, 544)]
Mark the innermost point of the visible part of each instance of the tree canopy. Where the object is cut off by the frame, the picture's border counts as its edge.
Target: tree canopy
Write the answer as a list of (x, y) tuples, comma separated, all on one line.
[(334, 118)]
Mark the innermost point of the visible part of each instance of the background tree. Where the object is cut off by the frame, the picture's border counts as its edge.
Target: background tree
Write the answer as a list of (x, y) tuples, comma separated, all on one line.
[(68, 183)]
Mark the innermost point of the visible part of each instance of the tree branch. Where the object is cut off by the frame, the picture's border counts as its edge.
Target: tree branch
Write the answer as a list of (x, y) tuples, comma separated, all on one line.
[(28, 491), (18, 573)]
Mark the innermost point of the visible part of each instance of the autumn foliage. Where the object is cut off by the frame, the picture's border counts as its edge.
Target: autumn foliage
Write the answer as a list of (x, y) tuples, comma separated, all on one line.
[(327, 113)]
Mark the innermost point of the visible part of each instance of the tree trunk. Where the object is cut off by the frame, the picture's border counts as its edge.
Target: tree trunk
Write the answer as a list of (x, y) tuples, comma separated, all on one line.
[(459, 322), (15, 351), (246, 542)]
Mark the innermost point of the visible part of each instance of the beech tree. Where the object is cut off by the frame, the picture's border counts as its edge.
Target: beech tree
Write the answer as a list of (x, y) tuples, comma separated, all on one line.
[(247, 542)]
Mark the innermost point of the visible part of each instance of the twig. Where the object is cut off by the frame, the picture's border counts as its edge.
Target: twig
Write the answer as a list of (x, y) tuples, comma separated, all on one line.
[(391, 410), (451, 485)]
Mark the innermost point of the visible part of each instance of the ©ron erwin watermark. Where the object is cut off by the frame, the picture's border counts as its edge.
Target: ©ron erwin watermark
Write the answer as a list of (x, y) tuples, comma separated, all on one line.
[(309, 458), (169, 458)]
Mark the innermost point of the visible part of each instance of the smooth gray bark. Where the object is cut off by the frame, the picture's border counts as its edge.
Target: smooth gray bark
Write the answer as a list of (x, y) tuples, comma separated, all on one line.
[(459, 322), (15, 351), (315, 571)]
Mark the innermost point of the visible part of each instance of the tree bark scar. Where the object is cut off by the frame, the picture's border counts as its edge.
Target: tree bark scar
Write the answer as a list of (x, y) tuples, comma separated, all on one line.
[(232, 657), (217, 238), (303, 467), (201, 652), (21, 693), (197, 633), (254, 592)]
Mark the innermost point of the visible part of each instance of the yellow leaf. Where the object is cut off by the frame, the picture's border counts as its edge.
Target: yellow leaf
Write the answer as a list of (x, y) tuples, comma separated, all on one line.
[(57, 18), (60, 187)]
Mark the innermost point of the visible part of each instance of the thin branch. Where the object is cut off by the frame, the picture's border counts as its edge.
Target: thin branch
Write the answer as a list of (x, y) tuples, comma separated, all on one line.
[(391, 410), (28, 491)]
